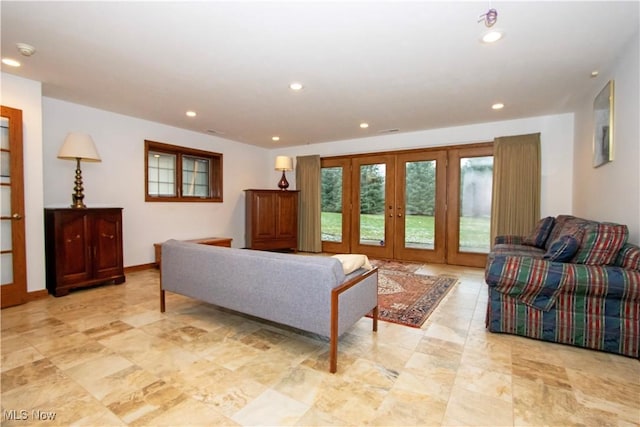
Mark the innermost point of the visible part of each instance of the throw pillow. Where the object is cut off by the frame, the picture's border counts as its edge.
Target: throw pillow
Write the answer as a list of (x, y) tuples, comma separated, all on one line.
[(562, 249), (540, 234), (601, 243), (352, 262), (629, 257)]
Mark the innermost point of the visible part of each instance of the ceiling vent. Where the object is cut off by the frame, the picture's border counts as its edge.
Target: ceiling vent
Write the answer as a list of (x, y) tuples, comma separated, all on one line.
[(26, 49)]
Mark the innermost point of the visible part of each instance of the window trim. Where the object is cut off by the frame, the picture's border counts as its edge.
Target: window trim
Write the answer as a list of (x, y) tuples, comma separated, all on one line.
[(215, 173)]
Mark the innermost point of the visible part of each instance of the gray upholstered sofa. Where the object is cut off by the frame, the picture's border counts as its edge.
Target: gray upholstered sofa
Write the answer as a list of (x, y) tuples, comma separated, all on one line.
[(311, 293)]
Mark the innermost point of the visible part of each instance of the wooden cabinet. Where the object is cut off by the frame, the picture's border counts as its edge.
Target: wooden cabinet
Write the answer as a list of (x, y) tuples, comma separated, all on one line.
[(83, 248), (271, 219)]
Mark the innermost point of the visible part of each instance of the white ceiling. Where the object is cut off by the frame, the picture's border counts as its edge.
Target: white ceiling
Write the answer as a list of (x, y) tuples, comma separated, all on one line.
[(396, 65)]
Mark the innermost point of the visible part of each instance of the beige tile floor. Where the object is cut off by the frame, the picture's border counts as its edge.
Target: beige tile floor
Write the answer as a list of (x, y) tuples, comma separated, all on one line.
[(107, 356)]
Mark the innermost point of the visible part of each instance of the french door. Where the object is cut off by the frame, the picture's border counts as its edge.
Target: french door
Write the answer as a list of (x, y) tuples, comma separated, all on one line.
[(469, 183), (421, 205), (13, 290), (395, 195)]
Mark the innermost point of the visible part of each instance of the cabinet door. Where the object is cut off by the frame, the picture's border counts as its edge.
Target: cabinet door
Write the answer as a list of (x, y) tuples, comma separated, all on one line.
[(72, 246), (286, 215), (107, 244), (264, 220)]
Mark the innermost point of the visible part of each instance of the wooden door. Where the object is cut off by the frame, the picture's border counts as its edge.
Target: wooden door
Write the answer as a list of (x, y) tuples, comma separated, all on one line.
[(13, 290), (286, 215), (373, 205), (419, 226), (72, 246), (470, 180), (263, 220), (336, 205), (107, 245)]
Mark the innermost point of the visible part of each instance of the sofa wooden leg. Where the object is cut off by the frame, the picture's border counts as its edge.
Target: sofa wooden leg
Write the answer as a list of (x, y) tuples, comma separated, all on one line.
[(333, 336), (375, 318), (333, 354)]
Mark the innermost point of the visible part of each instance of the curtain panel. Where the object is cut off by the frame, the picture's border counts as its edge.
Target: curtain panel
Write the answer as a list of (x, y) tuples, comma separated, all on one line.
[(308, 182), (515, 205)]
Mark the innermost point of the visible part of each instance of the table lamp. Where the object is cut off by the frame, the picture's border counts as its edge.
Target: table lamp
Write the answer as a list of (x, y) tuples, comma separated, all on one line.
[(78, 146), (283, 163)]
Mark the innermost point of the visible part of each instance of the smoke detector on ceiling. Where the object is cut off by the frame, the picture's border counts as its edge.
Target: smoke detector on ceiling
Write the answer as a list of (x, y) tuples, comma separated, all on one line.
[(26, 49)]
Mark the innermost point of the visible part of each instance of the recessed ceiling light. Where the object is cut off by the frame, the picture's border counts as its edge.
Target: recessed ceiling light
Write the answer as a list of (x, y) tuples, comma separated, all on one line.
[(364, 125), (295, 86), (275, 138), (492, 36), (191, 113), (10, 62), (498, 106)]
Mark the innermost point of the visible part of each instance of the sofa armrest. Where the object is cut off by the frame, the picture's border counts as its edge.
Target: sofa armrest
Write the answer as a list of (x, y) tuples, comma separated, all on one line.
[(537, 282), (508, 240)]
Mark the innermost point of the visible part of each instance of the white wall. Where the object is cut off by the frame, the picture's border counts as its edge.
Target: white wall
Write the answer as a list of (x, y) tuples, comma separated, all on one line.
[(119, 179), (556, 146), (612, 192), (26, 95)]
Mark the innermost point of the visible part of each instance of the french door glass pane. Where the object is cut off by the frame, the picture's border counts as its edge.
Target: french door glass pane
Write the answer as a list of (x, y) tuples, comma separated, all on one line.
[(331, 204), (6, 269), (4, 141), (420, 204), (476, 175), (372, 204), (6, 258)]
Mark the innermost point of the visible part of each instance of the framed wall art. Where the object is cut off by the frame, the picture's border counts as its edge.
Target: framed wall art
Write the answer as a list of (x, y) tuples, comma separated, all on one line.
[(603, 126)]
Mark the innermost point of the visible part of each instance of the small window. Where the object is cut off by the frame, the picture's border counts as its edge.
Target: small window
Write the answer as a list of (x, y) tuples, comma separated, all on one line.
[(180, 174)]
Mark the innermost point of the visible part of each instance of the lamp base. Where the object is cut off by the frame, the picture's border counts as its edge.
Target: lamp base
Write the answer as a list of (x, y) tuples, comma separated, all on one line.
[(283, 184), (77, 203), (78, 196)]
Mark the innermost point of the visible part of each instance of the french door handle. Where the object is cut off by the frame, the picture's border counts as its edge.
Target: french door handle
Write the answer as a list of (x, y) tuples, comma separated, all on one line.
[(16, 216)]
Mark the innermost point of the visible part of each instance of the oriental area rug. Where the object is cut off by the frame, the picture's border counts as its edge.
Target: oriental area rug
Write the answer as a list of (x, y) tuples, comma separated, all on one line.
[(405, 297)]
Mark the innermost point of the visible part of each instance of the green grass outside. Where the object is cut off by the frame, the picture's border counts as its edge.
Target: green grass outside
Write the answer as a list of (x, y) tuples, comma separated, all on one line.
[(474, 232)]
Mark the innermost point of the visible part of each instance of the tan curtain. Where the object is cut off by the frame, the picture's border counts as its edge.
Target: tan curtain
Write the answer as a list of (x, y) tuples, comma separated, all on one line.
[(515, 205), (308, 182)]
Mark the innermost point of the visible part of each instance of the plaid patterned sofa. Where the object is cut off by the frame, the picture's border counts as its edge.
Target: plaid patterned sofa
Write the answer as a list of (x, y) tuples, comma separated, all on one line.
[(572, 281)]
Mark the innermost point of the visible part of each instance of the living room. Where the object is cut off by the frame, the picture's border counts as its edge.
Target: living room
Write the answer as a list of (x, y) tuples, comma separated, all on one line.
[(570, 184)]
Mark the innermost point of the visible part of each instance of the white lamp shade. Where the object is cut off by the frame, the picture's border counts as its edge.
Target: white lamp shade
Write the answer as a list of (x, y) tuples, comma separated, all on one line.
[(79, 146), (284, 163)]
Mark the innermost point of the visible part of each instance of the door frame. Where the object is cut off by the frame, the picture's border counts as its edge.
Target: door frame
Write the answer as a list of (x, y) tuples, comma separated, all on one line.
[(15, 293)]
